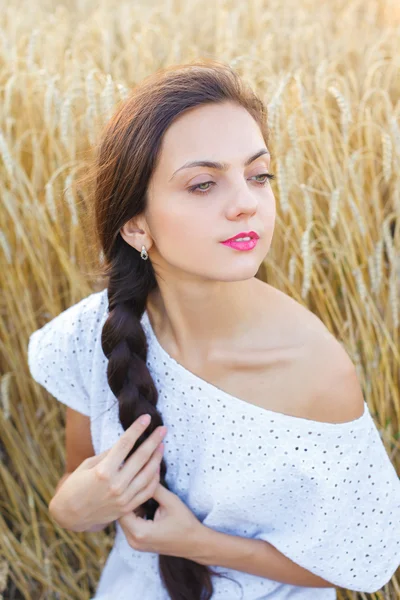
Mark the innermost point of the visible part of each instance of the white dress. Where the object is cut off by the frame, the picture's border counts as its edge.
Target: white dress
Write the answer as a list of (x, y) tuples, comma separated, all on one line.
[(326, 495)]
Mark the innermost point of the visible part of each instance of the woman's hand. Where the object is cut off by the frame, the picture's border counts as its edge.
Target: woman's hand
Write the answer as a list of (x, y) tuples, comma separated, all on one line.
[(104, 487), (175, 530)]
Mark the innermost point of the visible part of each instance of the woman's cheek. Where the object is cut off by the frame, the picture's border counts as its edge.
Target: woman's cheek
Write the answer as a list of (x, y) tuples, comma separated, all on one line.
[(177, 233)]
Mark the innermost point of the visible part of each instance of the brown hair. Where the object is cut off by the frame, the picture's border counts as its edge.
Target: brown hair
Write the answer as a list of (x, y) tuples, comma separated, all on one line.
[(125, 160)]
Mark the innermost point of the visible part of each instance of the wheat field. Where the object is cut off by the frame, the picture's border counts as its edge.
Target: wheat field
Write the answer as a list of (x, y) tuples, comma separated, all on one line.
[(329, 73)]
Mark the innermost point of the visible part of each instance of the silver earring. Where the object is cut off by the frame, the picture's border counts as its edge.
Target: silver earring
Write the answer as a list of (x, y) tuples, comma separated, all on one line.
[(143, 253)]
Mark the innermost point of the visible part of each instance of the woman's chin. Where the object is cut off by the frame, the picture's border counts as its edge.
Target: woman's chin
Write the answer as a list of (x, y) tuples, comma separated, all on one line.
[(241, 272)]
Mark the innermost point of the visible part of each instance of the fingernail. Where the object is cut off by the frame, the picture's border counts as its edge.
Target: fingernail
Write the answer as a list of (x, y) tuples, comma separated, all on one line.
[(162, 431), (145, 419)]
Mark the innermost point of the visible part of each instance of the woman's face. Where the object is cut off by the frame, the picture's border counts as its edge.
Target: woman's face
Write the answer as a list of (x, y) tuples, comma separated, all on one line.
[(187, 225)]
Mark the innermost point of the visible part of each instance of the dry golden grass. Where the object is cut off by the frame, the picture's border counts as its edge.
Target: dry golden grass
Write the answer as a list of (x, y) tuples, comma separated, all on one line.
[(329, 73)]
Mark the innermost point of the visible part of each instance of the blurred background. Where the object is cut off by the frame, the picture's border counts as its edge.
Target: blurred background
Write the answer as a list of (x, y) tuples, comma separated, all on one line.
[(328, 72)]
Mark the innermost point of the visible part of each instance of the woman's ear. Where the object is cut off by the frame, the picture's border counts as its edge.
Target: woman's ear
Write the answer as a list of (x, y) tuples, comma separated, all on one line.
[(134, 235)]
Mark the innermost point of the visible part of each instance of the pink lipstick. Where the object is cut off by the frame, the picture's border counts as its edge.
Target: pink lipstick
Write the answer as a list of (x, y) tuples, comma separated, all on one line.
[(243, 244)]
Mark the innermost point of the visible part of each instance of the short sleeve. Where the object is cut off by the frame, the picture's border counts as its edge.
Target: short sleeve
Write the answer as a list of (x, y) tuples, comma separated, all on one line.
[(343, 522), (60, 353)]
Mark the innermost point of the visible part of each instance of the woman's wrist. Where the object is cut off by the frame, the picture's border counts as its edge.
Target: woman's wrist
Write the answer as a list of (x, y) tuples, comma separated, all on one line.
[(203, 544), (65, 517)]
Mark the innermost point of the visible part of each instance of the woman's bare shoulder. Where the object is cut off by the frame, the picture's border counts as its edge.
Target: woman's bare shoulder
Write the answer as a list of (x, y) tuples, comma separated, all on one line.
[(285, 318), (320, 375)]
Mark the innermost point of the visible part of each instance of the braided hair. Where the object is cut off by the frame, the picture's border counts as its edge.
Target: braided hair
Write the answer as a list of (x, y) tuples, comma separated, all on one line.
[(124, 162)]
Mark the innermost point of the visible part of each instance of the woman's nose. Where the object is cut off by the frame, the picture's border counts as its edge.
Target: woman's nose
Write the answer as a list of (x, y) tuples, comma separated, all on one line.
[(243, 201)]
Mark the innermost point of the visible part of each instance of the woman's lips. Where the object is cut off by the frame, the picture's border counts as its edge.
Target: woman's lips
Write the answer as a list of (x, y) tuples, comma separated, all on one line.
[(249, 245)]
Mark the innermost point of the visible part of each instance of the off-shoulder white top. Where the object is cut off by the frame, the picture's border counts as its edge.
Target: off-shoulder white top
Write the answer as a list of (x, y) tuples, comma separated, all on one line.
[(326, 495)]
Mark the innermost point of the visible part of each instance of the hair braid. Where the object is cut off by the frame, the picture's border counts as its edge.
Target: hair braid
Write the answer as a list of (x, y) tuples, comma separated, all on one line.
[(125, 345)]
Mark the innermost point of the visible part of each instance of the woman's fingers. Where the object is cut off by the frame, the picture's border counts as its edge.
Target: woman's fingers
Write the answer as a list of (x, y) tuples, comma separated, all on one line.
[(111, 463), (144, 495), (117, 454), (134, 484), (143, 454)]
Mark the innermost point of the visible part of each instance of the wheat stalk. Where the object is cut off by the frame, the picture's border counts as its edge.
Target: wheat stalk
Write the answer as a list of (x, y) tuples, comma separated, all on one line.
[(308, 205), (30, 54), (282, 186), (4, 571), (90, 119), (307, 262), (387, 236), (290, 167), (362, 290), (8, 93), (293, 136), (90, 87), (378, 264), (394, 290), (273, 106), (6, 156), (358, 217), (49, 197), (69, 195), (305, 105), (123, 91), (65, 120), (107, 98), (320, 76), (292, 268), (5, 394), (51, 98), (6, 247), (386, 156), (334, 207), (372, 273), (345, 110)]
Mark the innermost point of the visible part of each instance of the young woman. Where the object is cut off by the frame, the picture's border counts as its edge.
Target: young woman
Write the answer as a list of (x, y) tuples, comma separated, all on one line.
[(273, 481)]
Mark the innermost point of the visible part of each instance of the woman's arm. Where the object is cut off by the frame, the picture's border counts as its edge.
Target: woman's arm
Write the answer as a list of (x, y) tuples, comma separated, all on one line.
[(252, 556)]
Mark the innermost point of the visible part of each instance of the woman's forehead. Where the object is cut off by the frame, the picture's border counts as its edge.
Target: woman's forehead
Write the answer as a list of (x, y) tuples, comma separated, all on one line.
[(218, 135)]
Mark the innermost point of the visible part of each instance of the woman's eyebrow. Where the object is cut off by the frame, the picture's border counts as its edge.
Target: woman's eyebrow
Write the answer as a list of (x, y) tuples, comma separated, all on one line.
[(218, 165)]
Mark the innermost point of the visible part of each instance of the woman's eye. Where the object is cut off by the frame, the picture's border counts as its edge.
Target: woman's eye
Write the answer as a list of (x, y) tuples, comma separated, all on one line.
[(266, 176), (202, 191), (193, 188)]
